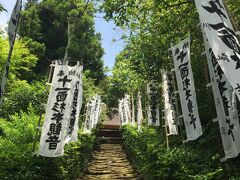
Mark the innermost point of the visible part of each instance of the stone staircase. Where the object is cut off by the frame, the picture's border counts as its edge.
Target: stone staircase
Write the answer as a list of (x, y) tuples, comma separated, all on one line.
[(109, 161)]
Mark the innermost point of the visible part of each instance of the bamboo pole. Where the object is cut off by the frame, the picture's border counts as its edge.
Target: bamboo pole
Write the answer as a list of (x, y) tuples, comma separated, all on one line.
[(37, 133), (235, 27)]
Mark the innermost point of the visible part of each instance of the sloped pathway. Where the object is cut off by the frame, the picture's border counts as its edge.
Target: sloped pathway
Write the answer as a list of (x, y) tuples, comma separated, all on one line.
[(109, 161)]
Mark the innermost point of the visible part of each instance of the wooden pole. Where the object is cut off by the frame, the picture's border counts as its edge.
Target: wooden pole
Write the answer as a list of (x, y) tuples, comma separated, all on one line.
[(146, 104), (235, 27), (165, 127), (37, 132)]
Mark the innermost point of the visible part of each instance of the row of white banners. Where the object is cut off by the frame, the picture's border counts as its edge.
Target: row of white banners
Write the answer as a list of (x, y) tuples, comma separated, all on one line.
[(93, 111), (127, 112), (223, 55)]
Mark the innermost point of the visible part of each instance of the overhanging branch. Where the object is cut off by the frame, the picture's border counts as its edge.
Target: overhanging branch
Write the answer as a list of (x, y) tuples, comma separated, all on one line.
[(178, 4)]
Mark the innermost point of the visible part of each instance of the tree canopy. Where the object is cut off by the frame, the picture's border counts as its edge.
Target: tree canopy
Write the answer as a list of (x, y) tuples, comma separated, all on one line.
[(46, 24)]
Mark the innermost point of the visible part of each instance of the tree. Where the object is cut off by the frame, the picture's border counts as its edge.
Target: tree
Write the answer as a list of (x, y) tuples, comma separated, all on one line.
[(47, 23)]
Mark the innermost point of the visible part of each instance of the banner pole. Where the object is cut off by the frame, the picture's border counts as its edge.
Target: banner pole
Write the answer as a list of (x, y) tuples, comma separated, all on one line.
[(133, 111), (230, 16), (37, 132)]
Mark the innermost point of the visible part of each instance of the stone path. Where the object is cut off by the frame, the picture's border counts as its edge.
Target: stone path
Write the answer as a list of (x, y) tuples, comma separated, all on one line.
[(109, 161)]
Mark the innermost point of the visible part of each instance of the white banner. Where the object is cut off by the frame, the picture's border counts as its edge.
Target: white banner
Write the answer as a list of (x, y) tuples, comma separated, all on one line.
[(87, 122), (153, 108), (58, 112), (185, 82), (73, 127), (139, 112), (12, 31), (97, 110), (92, 113), (133, 113), (126, 107), (222, 39), (168, 104), (124, 110), (120, 112), (13, 22), (225, 103)]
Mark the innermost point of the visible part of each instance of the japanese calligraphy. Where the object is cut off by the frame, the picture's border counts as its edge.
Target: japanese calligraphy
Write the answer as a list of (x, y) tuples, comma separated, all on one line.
[(185, 82), (153, 109), (221, 38), (226, 109)]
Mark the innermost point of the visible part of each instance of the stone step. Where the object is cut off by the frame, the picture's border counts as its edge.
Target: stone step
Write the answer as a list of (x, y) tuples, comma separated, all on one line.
[(109, 162), (110, 140), (108, 177), (109, 133)]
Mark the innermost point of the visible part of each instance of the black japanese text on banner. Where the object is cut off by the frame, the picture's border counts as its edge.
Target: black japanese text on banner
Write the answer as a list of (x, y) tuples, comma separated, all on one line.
[(185, 82), (57, 112), (87, 122), (225, 102), (153, 108), (222, 39), (168, 104), (72, 126), (93, 111)]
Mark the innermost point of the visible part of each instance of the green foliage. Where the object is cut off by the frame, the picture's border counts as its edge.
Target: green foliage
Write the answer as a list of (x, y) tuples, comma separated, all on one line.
[(46, 23), (22, 61), (152, 159), (18, 161), (20, 94), (89, 87)]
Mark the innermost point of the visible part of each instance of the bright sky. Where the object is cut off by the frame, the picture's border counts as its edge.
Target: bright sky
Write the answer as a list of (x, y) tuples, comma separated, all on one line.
[(105, 28)]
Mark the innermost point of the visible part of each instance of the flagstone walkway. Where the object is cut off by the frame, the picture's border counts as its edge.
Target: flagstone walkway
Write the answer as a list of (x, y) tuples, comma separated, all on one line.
[(109, 161)]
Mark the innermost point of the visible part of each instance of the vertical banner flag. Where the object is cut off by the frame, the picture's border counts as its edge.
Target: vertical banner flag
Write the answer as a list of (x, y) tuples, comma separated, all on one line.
[(97, 109), (92, 113), (12, 31), (168, 104), (185, 82), (126, 107), (225, 105), (58, 112), (133, 113), (222, 39), (73, 127), (124, 110), (139, 112), (120, 111), (153, 108), (87, 123)]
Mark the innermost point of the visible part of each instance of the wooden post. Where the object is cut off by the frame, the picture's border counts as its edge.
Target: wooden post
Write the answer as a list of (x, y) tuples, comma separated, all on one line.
[(165, 127), (146, 104), (37, 132), (177, 112), (230, 16)]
